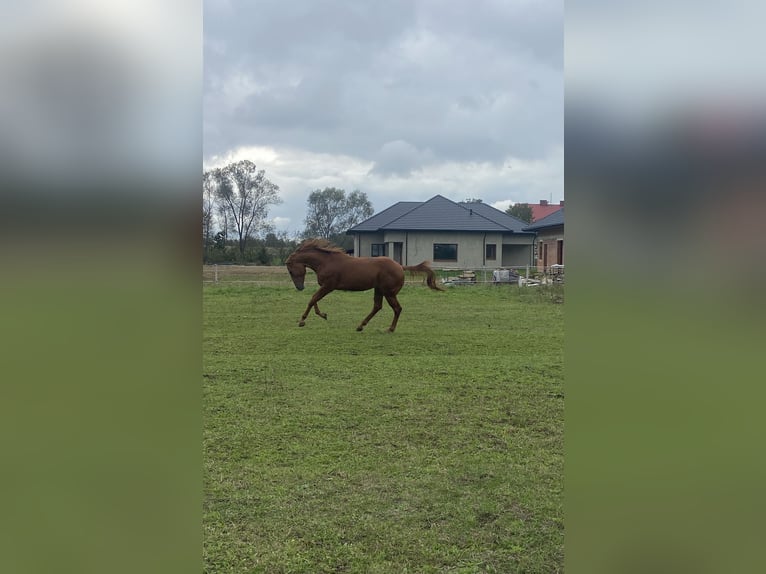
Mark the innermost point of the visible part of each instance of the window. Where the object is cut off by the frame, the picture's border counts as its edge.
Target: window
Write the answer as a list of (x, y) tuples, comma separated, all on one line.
[(378, 250), (540, 251), (491, 251), (445, 251), (560, 252)]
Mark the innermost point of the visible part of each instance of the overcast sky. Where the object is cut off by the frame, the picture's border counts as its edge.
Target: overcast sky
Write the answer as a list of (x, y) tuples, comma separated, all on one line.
[(401, 99)]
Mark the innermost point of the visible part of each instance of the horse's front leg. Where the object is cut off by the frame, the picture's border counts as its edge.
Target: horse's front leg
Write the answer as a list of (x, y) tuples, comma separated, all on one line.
[(313, 303), (318, 312)]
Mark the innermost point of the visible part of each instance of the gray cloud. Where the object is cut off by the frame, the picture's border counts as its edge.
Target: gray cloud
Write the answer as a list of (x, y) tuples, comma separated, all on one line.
[(403, 84), (400, 158), (466, 80)]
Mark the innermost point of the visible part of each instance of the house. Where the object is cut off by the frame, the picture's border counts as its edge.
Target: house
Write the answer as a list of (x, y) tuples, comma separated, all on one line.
[(449, 234), (550, 240), (544, 209)]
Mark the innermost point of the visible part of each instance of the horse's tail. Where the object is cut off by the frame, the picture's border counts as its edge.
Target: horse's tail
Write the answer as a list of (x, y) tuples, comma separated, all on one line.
[(430, 275)]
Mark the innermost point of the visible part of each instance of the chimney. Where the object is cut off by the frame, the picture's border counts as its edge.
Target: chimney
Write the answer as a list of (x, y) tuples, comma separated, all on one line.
[(470, 212), (543, 202), (561, 203)]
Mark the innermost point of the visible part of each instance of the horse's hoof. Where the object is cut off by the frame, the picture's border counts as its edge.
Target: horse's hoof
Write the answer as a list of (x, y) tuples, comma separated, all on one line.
[(302, 323), (359, 328), (324, 316)]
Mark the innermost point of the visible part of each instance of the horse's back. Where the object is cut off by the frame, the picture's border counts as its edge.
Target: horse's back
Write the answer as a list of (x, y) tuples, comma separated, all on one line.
[(372, 272), (384, 264)]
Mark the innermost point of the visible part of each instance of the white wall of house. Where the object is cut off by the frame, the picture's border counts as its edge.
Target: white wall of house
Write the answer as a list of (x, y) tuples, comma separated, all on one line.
[(516, 255), (517, 250), (363, 245), (470, 248), (417, 246)]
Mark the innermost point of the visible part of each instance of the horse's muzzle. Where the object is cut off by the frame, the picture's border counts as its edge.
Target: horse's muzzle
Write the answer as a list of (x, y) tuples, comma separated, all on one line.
[(299, 287)]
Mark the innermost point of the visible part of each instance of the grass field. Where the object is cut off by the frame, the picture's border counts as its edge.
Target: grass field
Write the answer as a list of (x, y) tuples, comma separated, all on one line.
[(438, 448)]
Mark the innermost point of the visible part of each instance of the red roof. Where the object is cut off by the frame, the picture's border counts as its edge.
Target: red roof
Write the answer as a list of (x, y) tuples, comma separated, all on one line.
[(544, 209)]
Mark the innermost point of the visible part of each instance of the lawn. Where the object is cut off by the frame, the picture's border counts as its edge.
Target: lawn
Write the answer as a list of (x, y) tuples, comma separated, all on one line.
[(438, 448)]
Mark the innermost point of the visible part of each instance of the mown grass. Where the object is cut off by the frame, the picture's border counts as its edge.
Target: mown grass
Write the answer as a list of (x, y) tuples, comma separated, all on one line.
[(438, 448)]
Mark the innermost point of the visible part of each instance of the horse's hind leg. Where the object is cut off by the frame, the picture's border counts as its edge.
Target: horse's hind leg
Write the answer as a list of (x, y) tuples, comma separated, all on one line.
[(377, 306), (394, 302)]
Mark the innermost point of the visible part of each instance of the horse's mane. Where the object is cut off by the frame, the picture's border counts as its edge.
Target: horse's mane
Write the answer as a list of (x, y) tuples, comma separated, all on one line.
[(319, 245)]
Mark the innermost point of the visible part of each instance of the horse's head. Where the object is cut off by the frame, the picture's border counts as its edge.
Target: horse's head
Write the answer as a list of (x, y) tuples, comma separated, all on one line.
[(297, 273)]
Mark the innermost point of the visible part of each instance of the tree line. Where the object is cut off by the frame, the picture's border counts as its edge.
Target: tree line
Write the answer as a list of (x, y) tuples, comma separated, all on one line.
[(235, 225)]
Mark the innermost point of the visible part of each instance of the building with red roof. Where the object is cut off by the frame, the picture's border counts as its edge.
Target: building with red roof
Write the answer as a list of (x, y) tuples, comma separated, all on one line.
[(544, 209)]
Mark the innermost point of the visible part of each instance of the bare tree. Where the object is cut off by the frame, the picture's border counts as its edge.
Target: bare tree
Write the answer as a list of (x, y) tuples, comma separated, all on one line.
[(209, 185), (245, 194), (222, 212)]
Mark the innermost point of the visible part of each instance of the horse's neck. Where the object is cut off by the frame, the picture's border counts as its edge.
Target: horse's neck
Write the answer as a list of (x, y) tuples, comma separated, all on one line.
[(313, 259)]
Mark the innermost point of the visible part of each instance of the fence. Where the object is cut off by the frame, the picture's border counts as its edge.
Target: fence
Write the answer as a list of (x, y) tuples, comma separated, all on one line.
[(277, 275), (520, 275), (253, 274)]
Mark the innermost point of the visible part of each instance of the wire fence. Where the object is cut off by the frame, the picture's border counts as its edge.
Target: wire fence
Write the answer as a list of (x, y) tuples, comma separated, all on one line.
[(526, 275), (255, 274)]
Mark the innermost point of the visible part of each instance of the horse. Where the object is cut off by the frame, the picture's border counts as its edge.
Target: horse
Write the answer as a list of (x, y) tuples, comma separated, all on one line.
[(336, 270)]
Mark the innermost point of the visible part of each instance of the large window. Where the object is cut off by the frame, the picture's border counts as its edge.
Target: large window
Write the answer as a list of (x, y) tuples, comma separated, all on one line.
[(378, 250), (445, 251), (491, 251)]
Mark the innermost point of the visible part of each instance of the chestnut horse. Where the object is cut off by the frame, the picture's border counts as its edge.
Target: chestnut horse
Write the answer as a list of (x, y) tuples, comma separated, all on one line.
[(337, 270)]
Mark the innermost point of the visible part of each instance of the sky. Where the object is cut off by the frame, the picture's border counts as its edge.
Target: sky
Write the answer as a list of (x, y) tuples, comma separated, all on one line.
[(402, 99)]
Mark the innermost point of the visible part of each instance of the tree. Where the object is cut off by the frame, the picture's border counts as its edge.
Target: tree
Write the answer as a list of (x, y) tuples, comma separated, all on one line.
[(280, 243), (209, 185), (331, 213), (220, 241), (520, 211), (245, 194), (223, 219)]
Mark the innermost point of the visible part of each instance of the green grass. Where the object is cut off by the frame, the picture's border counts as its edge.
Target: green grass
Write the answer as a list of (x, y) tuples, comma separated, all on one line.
[(438, 448)]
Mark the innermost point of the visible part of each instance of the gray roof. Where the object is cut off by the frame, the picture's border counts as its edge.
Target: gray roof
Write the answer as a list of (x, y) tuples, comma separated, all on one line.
[(497, 216), (440, 214), (379, 220), (555, 218)]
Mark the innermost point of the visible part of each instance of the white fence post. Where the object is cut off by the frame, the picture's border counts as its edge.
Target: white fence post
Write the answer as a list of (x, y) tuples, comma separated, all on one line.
[(215, 267)]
